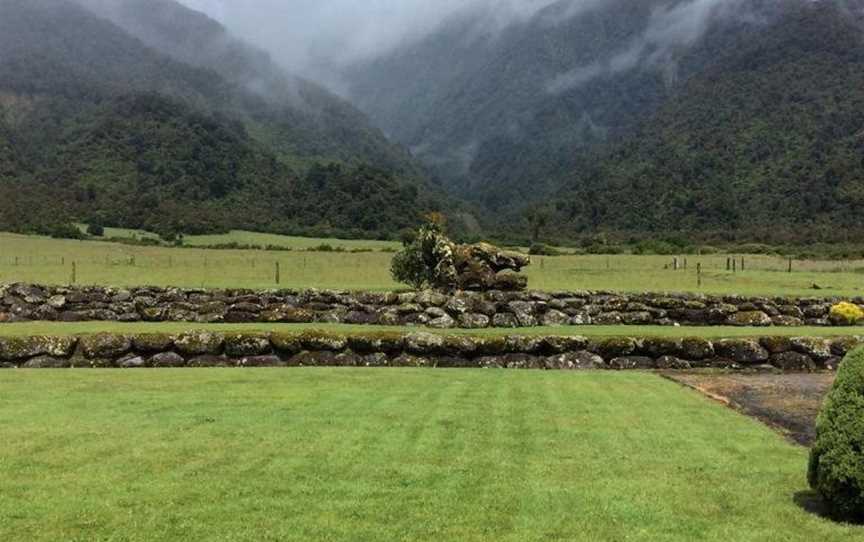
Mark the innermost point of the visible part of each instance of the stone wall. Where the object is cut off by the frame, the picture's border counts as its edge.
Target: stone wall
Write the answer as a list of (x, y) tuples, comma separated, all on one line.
[(19, 302), (421, 349)]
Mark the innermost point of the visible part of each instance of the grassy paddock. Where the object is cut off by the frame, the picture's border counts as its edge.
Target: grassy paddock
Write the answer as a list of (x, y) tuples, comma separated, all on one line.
[(43, 260), (322, 454), (712, 332)]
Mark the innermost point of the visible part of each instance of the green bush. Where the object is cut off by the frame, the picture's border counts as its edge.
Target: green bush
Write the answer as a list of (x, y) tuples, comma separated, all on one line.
[(836, 469), (95, 230), (540, 249), (409, 268), (60, 231), (417, 264)]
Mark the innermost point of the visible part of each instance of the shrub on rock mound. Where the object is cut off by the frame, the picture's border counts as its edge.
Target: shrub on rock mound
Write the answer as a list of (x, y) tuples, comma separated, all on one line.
[(837, 459), (846, 314)]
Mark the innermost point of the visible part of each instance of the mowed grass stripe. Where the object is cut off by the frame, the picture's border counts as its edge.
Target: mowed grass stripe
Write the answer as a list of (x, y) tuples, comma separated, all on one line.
[(21, 329), (330, 454)]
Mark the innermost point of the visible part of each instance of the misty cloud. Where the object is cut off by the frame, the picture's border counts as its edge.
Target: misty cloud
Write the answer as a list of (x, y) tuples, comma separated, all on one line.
[(320, 38), (669, 29)]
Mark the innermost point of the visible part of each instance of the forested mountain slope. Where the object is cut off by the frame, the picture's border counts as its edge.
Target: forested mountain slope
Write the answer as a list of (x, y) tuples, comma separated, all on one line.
[(644, 116), (97, 125), (767, 142)]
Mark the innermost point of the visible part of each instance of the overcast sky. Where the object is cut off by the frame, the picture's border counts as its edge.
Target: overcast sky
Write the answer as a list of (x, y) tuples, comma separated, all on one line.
[(307, 35)]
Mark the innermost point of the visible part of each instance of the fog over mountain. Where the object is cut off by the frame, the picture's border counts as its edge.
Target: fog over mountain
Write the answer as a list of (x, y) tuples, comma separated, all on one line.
[(321, 38), (615, 116)]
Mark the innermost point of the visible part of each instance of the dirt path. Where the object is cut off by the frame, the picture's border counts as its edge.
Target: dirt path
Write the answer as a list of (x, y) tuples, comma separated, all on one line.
[(787, 402)]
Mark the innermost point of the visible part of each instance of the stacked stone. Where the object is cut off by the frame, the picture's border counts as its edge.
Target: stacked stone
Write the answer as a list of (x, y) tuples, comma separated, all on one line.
[(469, 310), (205, 349)]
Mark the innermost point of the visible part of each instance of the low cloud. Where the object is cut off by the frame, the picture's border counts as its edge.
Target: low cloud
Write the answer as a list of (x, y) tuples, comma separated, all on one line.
[(321, 38), (669, 29)]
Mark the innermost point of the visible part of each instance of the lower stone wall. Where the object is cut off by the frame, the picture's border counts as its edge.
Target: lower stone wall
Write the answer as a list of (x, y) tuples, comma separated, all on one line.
[(205, 349)]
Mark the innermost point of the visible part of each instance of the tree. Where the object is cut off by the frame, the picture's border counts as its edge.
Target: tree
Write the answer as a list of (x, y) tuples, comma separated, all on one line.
[(837, 459), (538, 217), (427, 260)]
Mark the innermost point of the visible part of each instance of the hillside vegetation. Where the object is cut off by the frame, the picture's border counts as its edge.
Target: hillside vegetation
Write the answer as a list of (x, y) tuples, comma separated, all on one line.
[(642, 117), (97, 125)]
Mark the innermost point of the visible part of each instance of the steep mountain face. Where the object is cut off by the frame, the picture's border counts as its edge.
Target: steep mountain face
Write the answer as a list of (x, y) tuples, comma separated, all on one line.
[(767, 142), (639, 115), (300, 117), (135, 130), (489, 108)]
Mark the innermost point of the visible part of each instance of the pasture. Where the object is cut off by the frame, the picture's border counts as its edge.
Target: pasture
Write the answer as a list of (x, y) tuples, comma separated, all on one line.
[(323, 454), (50, 261)]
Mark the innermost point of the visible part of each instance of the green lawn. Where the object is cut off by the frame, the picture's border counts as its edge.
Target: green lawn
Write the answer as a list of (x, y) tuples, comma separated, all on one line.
[(709, 332), (323, 454), (49, 261)]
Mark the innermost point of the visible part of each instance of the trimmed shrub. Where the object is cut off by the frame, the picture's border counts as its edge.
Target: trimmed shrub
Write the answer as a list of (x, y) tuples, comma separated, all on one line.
[(836, 469), (846, 313)]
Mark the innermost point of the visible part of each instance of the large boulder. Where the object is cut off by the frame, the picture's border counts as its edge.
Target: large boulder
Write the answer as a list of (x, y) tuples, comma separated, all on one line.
[(105, 346), (18, 348), (199, 343), (743, 351)]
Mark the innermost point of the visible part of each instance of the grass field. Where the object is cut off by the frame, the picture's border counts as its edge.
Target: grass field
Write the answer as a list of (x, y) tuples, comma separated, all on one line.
[(43, 260), (320, 454), (712, 332)]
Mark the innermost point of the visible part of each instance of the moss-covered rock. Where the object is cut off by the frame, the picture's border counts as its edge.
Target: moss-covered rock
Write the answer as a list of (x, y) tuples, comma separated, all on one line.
[(631, 362), (131, 361), (614, 347), (836, 467), (460, 345), (425, 344), (289, 343), (315, 340), (166, 359), (241, 344), (776, 345), (153, 342), (473, 320), (289, 315), (696, 348), (793, 361), (105, 345), (574, 361), (750, 319), (409, 360), (561, 344), (661, 346), (371, 343), (743, 351), (814, 347), (210, 360), (198, 343), (841, 346), (47, 362), (268, 360), (322, 358), (18, 348), (523, 344)]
